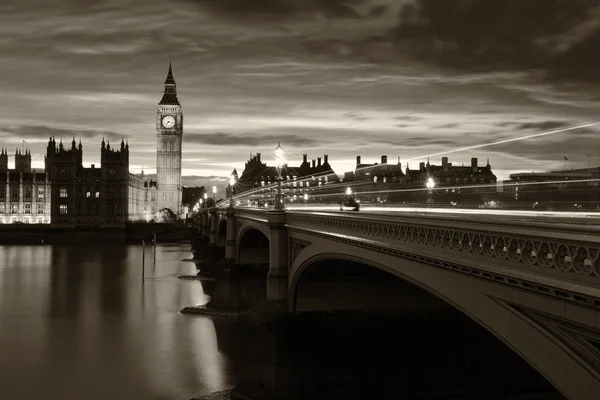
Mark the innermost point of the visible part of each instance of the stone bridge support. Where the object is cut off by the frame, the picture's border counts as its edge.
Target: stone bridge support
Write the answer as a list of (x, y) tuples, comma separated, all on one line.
[(230, 250), (204, 223), (277, 278), (212, 230)]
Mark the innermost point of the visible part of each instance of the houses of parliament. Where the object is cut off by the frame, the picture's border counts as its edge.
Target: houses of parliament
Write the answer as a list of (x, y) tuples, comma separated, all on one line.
[(67, 193)]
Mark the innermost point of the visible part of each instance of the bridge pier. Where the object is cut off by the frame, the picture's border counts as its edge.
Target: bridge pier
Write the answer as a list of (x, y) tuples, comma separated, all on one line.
[(204, 223), (277, 277), (210, 253), (230, 251), (212, 230)]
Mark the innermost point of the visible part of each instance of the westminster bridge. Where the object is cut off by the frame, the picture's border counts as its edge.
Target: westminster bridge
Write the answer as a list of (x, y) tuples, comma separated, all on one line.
[(534, 283)]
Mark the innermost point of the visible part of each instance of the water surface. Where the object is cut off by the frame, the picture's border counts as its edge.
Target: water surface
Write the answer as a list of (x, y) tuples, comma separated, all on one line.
[(76, 322)]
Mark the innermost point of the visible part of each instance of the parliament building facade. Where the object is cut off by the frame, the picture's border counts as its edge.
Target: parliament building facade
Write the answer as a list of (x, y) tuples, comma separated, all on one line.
[(67, 193)]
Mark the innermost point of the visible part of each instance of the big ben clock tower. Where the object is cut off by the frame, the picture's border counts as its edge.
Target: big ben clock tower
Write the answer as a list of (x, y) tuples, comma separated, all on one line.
[(169, 128)]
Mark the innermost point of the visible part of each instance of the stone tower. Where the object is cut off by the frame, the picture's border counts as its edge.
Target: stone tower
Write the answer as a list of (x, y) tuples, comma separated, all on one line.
[(169, 128), (23, 160)]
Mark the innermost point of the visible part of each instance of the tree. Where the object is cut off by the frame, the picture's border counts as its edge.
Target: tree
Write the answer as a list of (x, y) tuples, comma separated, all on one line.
[(166, 215)]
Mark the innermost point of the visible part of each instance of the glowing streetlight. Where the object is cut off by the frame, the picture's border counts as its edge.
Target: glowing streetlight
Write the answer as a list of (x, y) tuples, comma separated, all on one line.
[(305, 197), (231, 185), (280, 162), (215, 194), (430, 184), (348, 191)]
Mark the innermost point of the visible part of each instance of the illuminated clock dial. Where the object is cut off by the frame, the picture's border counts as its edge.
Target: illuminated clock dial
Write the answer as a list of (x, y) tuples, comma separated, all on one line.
[(168, 122)]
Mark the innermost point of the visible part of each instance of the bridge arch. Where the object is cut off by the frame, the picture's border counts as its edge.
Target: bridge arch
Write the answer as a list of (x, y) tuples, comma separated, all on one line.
[(252, 245), (221, 237), (488, 304)]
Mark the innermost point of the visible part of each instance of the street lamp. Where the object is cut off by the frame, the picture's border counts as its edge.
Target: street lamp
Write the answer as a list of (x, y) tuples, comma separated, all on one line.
[(430, 184), (205, 198), (231, 185), (348, 191), (305, 197), (215, 194), (280, 162)]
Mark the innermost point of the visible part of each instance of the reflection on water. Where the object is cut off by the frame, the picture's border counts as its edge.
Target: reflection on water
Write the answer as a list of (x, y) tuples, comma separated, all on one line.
[(77, 323)]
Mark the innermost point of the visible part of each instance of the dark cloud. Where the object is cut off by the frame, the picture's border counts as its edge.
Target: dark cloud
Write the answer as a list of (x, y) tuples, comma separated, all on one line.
[(447, 126), (281, 8), (355, 116), (417, 141), (251, 141), (543, 125), (45, 132), (491, 33), (408, 118)]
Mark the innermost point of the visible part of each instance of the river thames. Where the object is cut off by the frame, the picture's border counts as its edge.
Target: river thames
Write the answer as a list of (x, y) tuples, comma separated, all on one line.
[(76, 322)]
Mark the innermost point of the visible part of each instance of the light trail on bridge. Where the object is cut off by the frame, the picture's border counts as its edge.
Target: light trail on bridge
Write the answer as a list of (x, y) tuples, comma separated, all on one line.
[(394, 210)]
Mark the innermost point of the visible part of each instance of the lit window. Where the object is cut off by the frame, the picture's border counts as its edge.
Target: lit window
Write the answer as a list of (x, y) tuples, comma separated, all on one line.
[(87, 194), (63, 209), (63, 192), (97, 195)]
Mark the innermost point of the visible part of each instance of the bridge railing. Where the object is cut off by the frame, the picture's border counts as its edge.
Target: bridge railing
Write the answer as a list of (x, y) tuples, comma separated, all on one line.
[(541, 246), (251, 214)]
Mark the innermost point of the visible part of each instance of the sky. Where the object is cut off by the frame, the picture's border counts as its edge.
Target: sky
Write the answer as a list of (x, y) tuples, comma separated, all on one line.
[(404, 78)]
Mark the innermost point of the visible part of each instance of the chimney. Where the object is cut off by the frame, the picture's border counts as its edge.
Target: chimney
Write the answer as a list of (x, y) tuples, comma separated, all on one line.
[(325, 159), (304, 157), (319, 161), (384, 159), (313, 163), (421, 166), (258, 157), (474, 164), (357, 160)]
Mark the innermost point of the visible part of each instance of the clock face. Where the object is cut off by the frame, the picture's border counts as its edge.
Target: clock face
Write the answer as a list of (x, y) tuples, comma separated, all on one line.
[(168, 121)]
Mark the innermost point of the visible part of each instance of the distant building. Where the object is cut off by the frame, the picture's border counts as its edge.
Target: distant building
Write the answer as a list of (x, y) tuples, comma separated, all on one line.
[(452, 183), (107, 195), (24, 194), (306, 179), (382, 182), (376, 173), (571, 188)]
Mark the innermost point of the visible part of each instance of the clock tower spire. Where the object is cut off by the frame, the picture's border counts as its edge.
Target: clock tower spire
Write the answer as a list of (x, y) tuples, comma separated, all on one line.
[(169, 128)]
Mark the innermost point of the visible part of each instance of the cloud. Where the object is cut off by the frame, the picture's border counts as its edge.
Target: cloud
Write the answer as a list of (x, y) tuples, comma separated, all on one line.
[(281, 8), (543, 125), (251, 141), (45, 132), (505, 34), (355, 116)]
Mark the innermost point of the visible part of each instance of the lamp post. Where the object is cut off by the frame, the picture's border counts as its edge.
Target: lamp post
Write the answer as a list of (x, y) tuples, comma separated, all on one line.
[(430, 184), (231, 185), (215, 195), (280, 162), (348, 191), (205, 198)]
